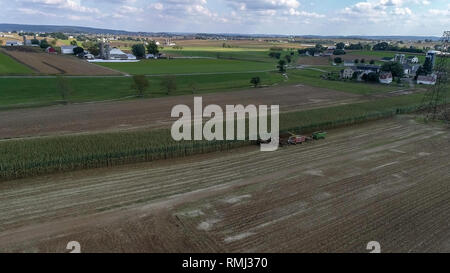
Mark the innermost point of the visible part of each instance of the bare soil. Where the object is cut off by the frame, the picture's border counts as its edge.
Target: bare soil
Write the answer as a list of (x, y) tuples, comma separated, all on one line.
[(154, 113), (385, 181), (57, 64)]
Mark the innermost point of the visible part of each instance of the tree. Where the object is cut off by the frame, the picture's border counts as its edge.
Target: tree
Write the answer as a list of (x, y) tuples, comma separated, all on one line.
[(356, 61), (44, 44), (255, 81), (54, 42), (395, 68), (340, 46), (281, 66), (169, 84), (363, 61), (64, 88), (338, 60), (138, 51), (372, 61), (35, 42), (140, 85), (152, 48), (288, 58), (381, 46), (428, 66), (74, 43), (339, 52), (78, 50)]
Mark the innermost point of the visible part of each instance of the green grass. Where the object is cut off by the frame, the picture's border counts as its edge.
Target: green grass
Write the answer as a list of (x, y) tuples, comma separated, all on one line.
[(9, 66), (382, 54), (28, 157), (43, 91), (312, 78), (250, 54), (189, 66)]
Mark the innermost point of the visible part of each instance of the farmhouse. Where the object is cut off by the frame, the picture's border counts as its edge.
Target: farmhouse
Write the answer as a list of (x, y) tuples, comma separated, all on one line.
[(67, 49), (428, 80), (386, 77), (410, 70)]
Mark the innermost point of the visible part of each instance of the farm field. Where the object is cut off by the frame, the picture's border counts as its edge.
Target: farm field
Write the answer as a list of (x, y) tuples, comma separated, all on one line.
[(37, 156), (9, 66), (383, 181), (147, 113), (29, 92), (190, 66), (51, 64)]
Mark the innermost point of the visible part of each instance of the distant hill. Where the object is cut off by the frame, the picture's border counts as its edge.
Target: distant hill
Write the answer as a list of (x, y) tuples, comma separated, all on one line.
[(89, 30)]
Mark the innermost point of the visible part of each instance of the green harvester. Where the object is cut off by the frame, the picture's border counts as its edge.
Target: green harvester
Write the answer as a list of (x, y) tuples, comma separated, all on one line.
[(319, 135)]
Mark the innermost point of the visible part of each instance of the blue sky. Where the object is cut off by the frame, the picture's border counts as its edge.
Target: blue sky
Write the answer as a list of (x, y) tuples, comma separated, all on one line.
[(324, 17)]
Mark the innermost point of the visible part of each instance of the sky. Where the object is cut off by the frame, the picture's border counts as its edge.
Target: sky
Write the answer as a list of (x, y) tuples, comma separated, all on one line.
[(291, 17)]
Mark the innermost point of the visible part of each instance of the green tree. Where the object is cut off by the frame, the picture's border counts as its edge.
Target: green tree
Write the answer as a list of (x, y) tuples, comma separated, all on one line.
[(281, 66), (152, 48), (255, 81), (395, 68), (138, 51), (169, 84), (428, 66), (140, 84), (44, 44), (78, 50), (363, 61), (35, 42), (340, 46), (356, 61), (74, 43), (54, 42), (339, 52), (288, 58), (338, 60), (64, 88), (372, 61)]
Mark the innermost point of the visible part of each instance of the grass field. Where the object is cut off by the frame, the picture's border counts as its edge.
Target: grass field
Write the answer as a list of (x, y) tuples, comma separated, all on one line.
[(29, 157), (44, 91), (382, 54), (251, 54), (189, 66), (9, 66)]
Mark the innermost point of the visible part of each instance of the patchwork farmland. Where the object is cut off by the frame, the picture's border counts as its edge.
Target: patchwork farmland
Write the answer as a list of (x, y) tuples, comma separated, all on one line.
[(88, 156)]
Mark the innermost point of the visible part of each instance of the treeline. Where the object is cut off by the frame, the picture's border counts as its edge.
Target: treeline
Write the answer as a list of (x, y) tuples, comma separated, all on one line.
[(387, 47)]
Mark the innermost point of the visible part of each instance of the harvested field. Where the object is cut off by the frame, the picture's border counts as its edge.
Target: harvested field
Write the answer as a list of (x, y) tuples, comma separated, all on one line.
[(385, 181), (56, 64), (154, 113)]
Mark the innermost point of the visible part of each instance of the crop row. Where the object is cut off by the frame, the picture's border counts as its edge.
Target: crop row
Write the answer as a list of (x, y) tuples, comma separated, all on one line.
[(30, 157)]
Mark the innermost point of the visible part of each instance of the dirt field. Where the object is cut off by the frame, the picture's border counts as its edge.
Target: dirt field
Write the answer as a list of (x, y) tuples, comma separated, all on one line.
[(56, 64), (154, 113), (386, 181)]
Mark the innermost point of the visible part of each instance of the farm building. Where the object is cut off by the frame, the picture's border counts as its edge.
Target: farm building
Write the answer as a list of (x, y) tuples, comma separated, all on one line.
[(13, 43), (347, 73), (387, 59), (410, 70), (386, 77), (413, 59), (349, 63), (50, 50), (117, 54), (67, 49), (427, 80)]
